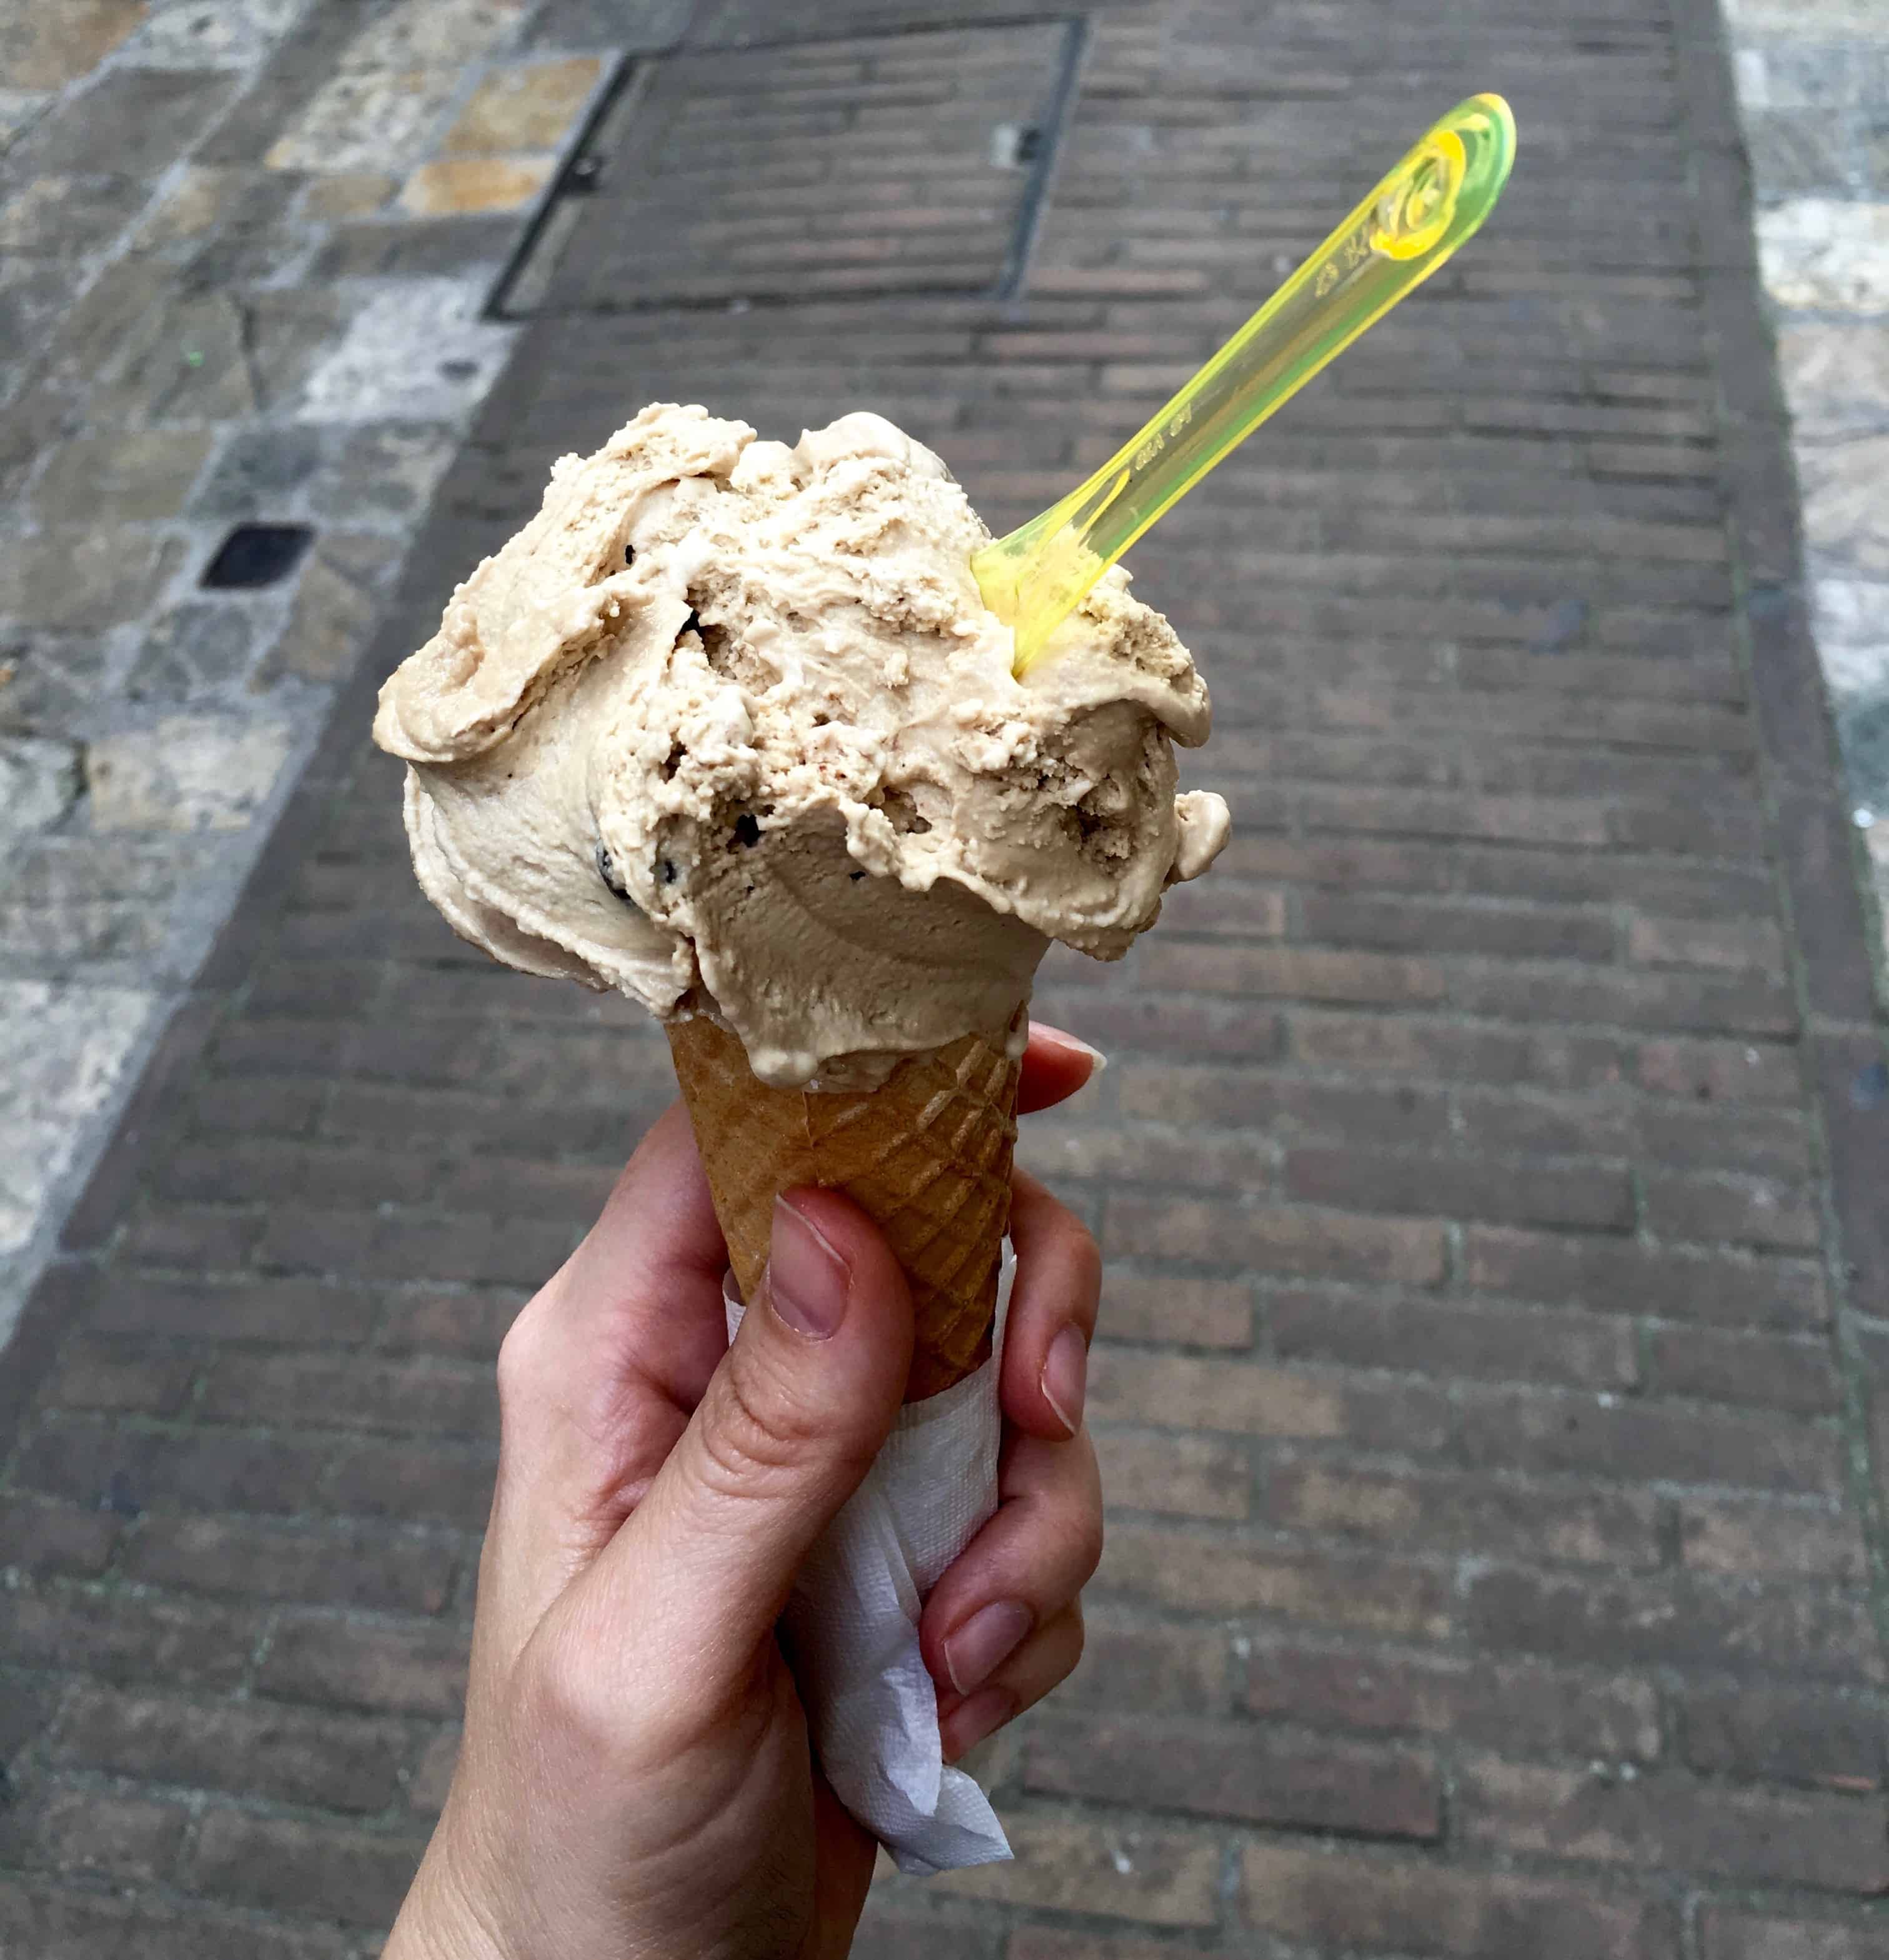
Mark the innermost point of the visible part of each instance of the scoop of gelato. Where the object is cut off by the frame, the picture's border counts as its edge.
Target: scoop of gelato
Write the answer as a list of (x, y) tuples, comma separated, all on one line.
[(728, 726)]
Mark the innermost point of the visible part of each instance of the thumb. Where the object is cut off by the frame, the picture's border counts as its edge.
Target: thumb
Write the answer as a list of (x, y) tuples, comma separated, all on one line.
[(789, 1425)]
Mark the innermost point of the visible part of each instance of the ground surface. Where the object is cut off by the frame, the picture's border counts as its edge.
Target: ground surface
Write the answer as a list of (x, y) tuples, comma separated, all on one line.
[(1490, 1167)]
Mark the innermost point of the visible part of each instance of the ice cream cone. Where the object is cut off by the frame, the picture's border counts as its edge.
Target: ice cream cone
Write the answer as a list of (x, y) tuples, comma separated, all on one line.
[(927, 1154)]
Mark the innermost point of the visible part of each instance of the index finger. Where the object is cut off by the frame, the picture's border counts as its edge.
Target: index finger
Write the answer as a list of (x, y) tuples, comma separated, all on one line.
[(1055, 1065), (1057, 1291)]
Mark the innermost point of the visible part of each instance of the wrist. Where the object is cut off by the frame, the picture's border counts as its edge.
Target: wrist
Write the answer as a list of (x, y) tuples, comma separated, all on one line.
[(438, 1919)]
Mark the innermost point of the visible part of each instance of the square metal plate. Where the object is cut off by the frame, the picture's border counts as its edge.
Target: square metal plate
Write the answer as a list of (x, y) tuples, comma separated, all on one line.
[(900, 163)]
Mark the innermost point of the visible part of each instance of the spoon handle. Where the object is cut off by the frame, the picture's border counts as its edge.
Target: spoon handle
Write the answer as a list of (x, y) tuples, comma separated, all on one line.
[(1409, 224)]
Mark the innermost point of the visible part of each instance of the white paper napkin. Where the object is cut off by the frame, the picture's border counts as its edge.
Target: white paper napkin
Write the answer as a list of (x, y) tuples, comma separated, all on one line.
[(850, 1628)]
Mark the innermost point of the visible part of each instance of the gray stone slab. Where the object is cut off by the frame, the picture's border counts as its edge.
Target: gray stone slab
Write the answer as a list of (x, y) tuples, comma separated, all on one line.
[(38, 783), (211, 33), (187, 772), (261, 473), (67, 217), (134, 121), (431, 248), (196, 649), (335, 606), (132, 473), (1862, 729), (50, 681), (63, 1051), (1800, 152), (385, 470), (73, 578), (636, 27)]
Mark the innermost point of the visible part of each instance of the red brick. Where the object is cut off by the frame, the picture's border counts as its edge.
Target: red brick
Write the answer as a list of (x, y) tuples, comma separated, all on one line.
[(1727, 1933), (422, 1397), (1238, 910), (1156, 1877), (1445, 1339), (41, 1538), (1289, 1105), (432, 1777), (1601, 1123), (1253, 1775), (133, 1378), (1185, 1476), (887, 1933), (248, 1748), (1174, 1568), (245, 1557), (1693, 942), (1057, 1149), (1515, 1704), (1832, 1844), (1734, 1289), (1039, 1942), (1593, 1196), (1749, 1210), (1750, 1536), (58, 1925), (439, 1483), (407, 1669), (1334, 1245), (1696, 1135), (123, 1637), (1721, 1072), (100, 1463), (98, 1833), (1403, 1906), (253, 1170), (1141, 1306), (1156, 1669), (261, 1310), (1440, 1512), (1784, 1735), (198, 1237), (1289, 972), (1615, 1436), (1404, 925), (284, 1865), (1772, 1371), (1200, 1392), (248, 1106), (1407, 1044), (1684, 1619)]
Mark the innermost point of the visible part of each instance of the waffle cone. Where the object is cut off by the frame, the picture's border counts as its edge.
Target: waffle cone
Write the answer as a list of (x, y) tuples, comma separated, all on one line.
[(926, 1156)]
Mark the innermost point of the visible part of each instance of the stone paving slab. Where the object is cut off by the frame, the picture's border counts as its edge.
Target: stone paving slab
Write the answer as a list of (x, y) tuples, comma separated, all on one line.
[(244, 246), (1494, 1390)]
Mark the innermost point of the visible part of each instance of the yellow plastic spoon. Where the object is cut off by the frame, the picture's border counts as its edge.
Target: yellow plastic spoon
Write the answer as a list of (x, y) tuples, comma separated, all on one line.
[(1433, 200)]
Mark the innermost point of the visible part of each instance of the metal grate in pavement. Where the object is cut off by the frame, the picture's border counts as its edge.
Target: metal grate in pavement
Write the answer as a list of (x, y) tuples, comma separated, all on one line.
[(910, 162)]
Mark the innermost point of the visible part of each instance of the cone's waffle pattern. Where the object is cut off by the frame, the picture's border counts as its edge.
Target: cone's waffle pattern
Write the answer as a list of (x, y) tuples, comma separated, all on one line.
[(926, 1155)]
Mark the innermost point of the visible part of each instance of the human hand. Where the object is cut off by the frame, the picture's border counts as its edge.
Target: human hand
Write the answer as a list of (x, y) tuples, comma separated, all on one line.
[(635, 1779)]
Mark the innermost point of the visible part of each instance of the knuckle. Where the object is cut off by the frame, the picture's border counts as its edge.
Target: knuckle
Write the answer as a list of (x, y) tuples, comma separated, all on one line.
[(521, 1357), (759, 1434), (1087, 1545)]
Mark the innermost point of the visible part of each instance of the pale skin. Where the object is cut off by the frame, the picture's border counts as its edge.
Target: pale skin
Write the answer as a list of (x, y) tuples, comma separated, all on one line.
[(635, 1782)]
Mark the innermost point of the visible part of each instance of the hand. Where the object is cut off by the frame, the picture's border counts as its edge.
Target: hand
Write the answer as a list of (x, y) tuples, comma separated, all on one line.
[(635, 1780)]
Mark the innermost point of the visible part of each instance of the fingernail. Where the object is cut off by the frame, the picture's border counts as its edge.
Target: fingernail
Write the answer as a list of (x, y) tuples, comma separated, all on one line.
[(970, 1721), (807, 1280), (1066, 1376), (1097, 1060), (985, 1642)]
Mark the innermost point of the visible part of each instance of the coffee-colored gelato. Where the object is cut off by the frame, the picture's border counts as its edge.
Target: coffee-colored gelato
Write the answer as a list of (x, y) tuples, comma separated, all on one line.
[(727, 724)]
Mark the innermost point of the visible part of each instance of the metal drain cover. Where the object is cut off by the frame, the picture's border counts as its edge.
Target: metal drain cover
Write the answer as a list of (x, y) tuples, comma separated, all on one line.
[(883, 163)]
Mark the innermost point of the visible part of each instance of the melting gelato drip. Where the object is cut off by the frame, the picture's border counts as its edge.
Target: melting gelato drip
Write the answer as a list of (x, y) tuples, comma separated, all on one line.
[(728, 727)]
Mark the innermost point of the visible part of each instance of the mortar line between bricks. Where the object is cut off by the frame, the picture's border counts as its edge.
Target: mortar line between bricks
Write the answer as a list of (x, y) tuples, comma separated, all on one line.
[(1752, 416)]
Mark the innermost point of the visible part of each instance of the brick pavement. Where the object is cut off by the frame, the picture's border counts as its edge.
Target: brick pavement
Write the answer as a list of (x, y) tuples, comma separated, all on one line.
[(1490, 1168)]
